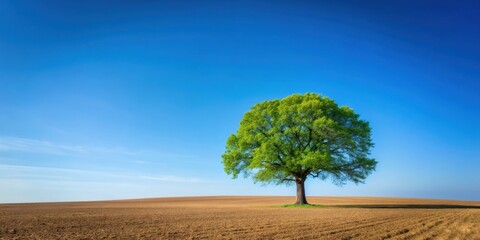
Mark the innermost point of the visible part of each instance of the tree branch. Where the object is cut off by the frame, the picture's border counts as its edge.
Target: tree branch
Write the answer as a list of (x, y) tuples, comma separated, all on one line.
[(287, 180)]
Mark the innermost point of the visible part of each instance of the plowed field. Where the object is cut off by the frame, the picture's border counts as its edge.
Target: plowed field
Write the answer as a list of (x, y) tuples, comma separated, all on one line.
[(243, 218)]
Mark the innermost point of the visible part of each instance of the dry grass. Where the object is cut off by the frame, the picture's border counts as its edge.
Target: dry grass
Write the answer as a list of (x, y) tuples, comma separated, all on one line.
[(243, 218)]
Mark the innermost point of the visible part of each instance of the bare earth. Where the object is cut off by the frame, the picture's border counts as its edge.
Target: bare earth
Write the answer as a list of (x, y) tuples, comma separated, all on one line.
[(243, 218)]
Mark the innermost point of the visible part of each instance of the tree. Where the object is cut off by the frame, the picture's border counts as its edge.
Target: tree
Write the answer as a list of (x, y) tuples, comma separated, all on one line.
[(289, 140)]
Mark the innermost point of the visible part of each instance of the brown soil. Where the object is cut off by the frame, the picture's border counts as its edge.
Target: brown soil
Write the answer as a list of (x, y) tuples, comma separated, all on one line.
[(243, 218)]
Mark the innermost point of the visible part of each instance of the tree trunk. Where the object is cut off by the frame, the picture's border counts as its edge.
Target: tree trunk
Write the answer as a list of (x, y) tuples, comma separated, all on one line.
[(301, 199)]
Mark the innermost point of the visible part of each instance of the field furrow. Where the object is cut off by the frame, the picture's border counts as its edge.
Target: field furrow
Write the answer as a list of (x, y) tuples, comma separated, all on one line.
[(243, 218)]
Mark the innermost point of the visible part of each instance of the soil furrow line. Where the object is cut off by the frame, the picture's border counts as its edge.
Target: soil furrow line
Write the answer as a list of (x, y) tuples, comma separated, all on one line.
[(405, 226), (428, 227), (381, 222)]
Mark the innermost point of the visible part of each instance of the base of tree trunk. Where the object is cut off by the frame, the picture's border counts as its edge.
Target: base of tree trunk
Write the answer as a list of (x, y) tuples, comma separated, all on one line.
[(301, 199)]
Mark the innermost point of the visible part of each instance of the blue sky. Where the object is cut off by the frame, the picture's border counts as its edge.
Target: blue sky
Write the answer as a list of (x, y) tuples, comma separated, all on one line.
[(132, 99)]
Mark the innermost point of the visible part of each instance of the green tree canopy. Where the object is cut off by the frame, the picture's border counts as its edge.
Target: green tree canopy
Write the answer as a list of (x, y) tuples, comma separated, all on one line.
[(286, 141)]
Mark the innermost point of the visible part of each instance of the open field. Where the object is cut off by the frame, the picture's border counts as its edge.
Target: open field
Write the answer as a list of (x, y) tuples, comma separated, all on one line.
[(243, 218)]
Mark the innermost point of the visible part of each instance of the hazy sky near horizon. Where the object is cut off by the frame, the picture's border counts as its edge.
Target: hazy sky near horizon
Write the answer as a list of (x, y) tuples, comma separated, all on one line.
[(133, 99)]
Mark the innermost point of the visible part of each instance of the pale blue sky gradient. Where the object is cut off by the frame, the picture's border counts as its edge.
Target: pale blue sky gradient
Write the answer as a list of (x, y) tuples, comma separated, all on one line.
[(133, 99)]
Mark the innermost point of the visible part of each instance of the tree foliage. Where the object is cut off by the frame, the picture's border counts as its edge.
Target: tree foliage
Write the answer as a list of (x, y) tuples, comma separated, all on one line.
[(300, 136)]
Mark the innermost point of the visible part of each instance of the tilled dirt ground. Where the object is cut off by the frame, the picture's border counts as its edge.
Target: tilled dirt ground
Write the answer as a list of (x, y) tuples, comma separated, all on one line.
[(243, 218)]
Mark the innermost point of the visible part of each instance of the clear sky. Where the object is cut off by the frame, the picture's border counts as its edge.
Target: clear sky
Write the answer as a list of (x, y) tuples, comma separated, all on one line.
[(131, 99)]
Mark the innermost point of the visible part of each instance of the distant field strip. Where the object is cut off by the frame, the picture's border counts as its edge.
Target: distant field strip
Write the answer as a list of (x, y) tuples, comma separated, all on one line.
[(243, 218)]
